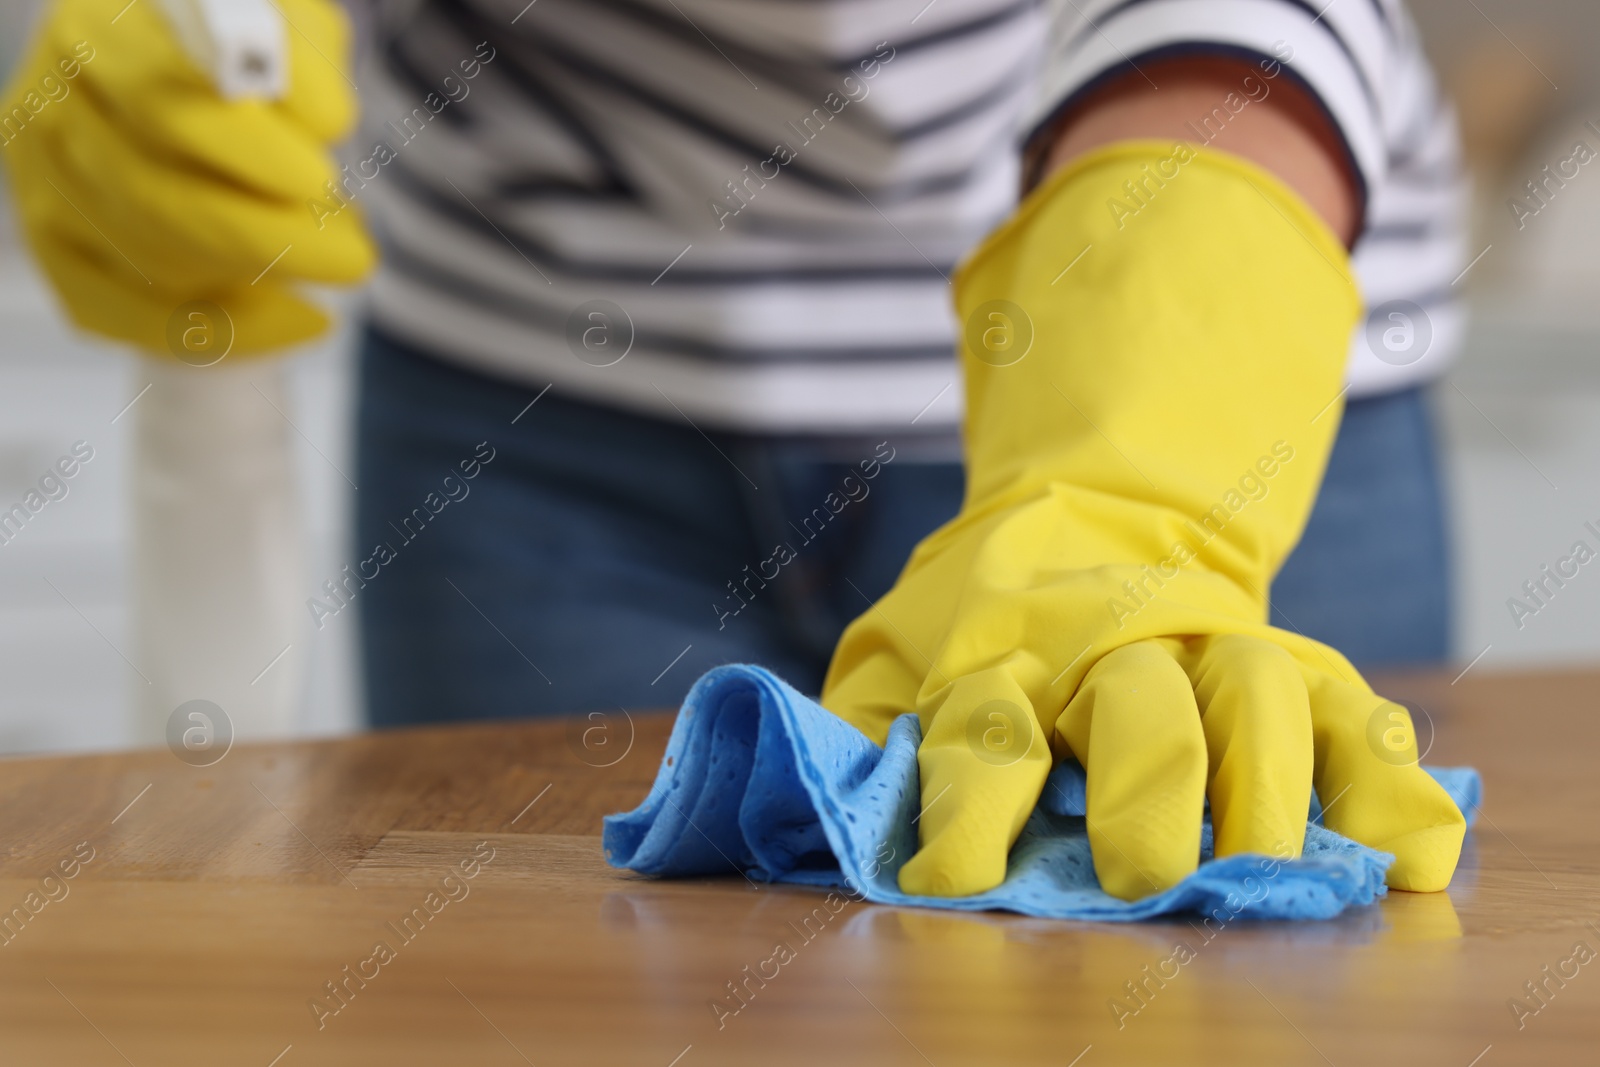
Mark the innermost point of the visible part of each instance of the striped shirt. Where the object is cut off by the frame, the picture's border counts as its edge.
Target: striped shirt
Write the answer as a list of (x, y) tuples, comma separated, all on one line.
[(745, 212)]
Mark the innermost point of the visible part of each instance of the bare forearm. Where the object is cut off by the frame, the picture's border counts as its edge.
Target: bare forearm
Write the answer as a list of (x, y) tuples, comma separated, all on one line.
[(1237, 105)]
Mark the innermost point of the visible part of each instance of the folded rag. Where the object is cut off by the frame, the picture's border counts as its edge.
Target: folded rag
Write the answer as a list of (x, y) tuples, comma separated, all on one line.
[(761, 780)]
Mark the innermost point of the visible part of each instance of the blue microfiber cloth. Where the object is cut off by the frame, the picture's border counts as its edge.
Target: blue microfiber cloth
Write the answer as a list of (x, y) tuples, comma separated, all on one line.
[(761, 780)]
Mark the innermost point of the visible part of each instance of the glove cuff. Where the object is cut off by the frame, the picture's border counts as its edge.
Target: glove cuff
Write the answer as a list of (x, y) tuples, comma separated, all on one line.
[(1159, 327)]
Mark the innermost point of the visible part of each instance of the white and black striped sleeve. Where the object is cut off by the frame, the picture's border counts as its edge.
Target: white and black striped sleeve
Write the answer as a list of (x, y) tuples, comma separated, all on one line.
[(1351, 54)]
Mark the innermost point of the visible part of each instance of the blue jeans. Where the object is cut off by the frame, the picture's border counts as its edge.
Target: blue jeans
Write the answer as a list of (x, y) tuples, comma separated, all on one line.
[(596, 559)]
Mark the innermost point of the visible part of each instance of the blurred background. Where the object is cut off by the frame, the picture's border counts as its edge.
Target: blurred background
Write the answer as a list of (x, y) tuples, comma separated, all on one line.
[(1520, 413)]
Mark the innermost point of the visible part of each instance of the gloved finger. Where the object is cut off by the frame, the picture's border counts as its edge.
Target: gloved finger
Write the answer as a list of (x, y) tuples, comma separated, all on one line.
[(143, 81), (190, 227), (101, 295), (885, 655), (246, 142), (1372, 788), (983, 763), (321, 96), (1135, 727), (1257, 722), (877, 679)]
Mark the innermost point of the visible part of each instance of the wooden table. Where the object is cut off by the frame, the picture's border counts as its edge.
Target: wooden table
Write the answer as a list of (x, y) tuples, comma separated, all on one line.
[(219, 903)]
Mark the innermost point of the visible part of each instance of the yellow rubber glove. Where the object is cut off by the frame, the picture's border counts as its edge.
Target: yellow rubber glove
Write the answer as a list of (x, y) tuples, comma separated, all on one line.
[(141, 190), (1151, 402)]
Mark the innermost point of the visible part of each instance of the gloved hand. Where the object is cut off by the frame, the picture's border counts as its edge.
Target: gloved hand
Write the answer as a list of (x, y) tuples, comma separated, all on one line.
[(141, 189), (1145, 435)]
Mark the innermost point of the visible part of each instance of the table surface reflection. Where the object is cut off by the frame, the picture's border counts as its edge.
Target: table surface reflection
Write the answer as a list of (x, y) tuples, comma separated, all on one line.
[(232, 914)]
